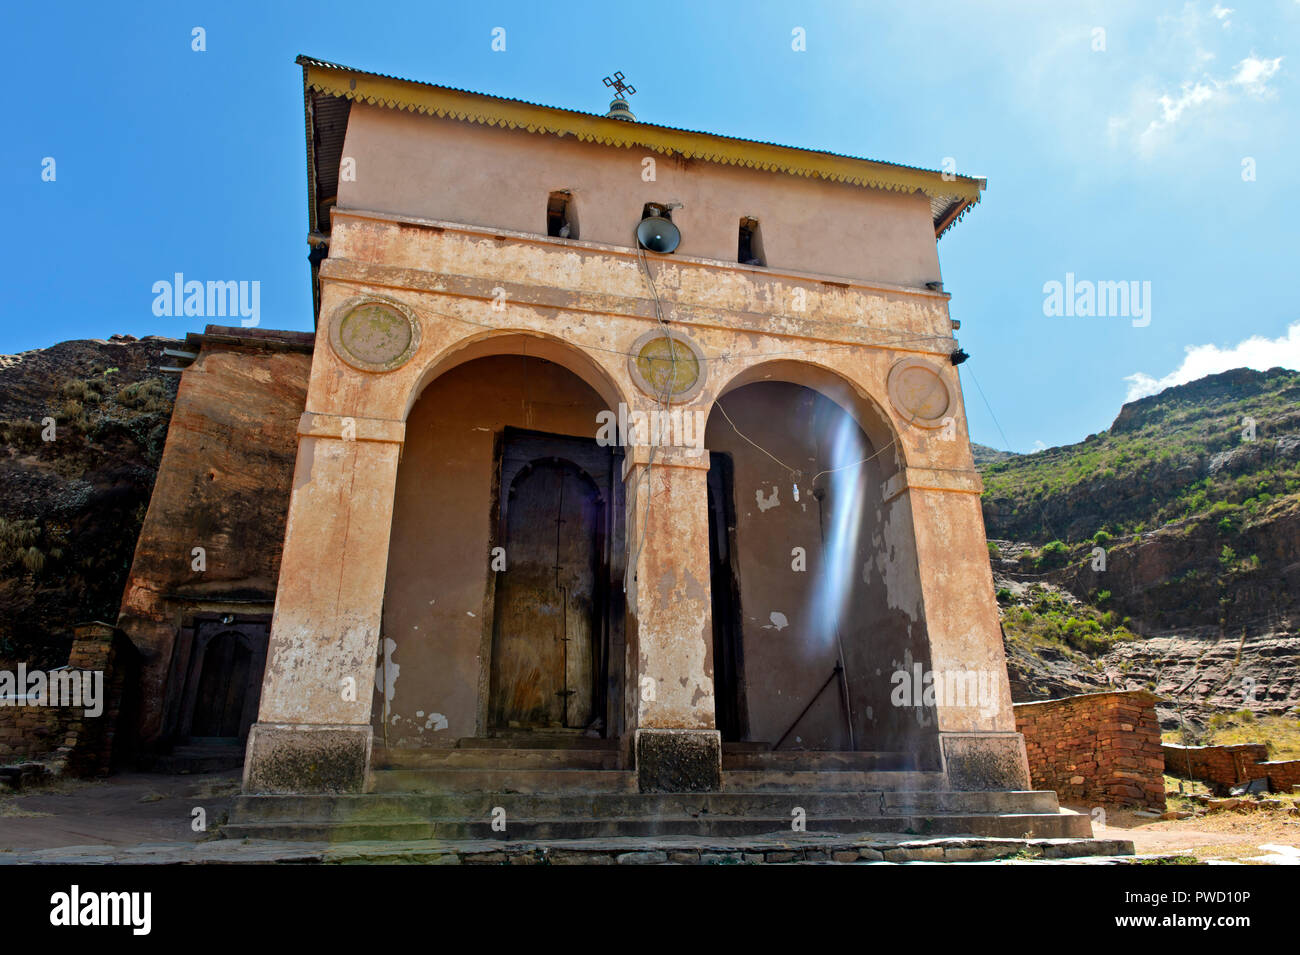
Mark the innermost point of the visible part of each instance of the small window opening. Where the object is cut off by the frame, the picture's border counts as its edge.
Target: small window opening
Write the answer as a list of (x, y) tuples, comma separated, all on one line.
[(561, 215), (750, 251)]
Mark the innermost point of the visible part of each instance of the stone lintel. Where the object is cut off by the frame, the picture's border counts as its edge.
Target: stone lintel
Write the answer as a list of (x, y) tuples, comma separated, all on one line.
[(678, 760), (985, 761), (664, 457), (932, 479), (307, 758), (315, 425), (597, 301), (345, 217)]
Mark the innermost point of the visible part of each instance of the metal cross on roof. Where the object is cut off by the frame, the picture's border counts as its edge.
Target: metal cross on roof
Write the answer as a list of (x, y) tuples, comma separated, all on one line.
[(620, 88)]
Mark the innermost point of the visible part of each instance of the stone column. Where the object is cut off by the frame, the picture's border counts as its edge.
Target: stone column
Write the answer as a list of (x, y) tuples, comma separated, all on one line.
[(977, 727), (670, 711), (313, 731)]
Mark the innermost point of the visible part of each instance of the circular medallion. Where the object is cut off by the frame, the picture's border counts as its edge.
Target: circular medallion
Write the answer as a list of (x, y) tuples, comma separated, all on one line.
[(918, 391), (373, 334), (667, 365)]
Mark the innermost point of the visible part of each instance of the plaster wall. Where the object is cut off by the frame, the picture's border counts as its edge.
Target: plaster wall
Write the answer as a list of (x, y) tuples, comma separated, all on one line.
[(405, 163)]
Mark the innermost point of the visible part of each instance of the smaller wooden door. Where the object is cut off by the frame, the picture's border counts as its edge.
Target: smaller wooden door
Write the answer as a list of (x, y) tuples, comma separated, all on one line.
[(225, 680)]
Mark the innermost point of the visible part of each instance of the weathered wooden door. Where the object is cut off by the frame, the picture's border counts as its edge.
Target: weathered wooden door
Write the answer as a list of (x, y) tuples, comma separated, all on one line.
[(545, 659), (226, 677)]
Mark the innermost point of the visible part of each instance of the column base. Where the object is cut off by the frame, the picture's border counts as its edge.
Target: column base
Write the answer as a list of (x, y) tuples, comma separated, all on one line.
[(678, 760), (985, 761), (301, 758)]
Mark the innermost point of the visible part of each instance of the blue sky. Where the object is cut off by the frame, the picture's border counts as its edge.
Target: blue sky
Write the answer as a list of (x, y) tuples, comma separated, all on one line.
[(1161, 150)]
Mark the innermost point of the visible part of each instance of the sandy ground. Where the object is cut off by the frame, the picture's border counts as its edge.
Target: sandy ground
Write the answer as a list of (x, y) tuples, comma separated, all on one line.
[(1231, 836), (129, 809)]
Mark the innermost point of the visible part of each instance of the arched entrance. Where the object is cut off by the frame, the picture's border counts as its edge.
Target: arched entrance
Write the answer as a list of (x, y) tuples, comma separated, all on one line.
[(502, 606), (814, 574)]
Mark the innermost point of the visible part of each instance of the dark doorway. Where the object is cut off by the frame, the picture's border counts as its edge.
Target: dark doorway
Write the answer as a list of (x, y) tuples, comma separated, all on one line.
[(550, 627), (224, 683), (728, 635)]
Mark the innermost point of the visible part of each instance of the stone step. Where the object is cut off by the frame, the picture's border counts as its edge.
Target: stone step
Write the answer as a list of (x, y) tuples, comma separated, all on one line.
[(794, 780), (861, 761), (472, 780), (539, 740), (497, 758), (1023, 825), (413, 807), (441, 776)]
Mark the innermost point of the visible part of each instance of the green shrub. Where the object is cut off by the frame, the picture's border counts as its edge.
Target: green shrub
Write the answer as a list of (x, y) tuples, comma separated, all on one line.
[(1052, 554)]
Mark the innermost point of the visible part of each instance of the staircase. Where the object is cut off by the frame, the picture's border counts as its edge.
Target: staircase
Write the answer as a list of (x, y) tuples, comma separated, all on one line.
[(575, 788)]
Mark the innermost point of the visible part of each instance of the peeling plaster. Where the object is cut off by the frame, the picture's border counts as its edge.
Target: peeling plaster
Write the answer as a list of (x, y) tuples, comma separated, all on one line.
[(386, 674), (779, 621)]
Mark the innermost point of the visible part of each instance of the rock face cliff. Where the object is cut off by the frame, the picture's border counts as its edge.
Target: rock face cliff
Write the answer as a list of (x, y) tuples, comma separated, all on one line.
[(82, 428), (1163, 553)]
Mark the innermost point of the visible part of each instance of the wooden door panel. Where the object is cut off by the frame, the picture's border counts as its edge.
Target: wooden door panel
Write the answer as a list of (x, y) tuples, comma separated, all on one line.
[(544, 664)]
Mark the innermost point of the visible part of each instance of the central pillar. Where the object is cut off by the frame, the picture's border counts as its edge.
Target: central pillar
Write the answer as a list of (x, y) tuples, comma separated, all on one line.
[(670, 711), (313, 725), (980, 747)]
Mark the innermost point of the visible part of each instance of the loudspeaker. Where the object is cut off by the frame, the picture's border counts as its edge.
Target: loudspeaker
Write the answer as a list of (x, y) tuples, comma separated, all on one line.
[(658, 234)]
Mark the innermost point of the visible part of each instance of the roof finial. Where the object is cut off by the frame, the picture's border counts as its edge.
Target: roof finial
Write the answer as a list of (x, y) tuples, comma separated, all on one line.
[(618, 108)]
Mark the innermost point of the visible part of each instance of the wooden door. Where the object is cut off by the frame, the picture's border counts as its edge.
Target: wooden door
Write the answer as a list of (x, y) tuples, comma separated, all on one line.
[(225, 680), (546, 624)]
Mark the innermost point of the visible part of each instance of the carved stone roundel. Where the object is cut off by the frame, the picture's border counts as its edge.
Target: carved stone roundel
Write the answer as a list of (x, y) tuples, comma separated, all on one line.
[(667, 365), (374, 335), (918, 392)]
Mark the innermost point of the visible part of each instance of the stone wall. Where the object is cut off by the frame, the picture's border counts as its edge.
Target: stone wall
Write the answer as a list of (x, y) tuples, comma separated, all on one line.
[(223, 485), (1222, 767), (1100, 748), (63, 736)]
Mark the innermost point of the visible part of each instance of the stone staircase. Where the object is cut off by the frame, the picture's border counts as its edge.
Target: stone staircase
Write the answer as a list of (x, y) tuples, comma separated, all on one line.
[(570, 790)]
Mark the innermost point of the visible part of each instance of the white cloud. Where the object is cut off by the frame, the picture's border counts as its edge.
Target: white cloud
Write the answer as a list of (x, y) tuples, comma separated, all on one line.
[(1192, 95), (1253, 74), (1181, 90), (1255, 352)]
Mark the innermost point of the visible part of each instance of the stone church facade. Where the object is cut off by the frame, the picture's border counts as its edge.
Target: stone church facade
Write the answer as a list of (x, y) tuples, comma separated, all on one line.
[(530, 484)]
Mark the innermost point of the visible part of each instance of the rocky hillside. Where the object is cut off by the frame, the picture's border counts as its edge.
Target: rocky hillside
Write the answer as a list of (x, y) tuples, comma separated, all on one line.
[(1163, 552), (82, 426)]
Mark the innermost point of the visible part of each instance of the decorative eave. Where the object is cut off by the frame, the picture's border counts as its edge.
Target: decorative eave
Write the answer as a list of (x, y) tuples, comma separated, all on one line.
[(951, 196)]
